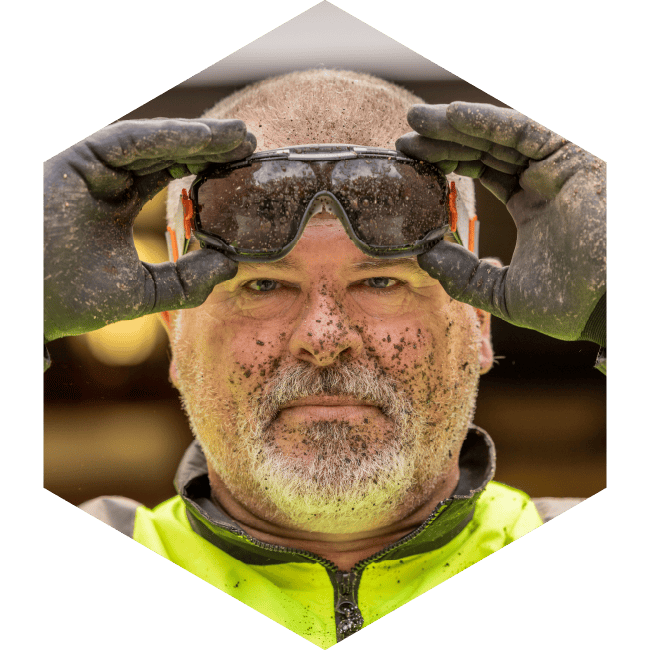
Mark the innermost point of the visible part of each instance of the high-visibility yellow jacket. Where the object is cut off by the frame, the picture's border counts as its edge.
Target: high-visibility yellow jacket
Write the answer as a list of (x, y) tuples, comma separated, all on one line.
[(307, 593)]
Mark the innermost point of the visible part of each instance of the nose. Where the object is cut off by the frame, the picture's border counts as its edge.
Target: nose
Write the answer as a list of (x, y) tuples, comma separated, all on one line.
[(324, 332)]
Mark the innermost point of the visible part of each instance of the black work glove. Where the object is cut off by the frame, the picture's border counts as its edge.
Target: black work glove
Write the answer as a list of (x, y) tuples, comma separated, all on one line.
[(556, 194), (93, 193)]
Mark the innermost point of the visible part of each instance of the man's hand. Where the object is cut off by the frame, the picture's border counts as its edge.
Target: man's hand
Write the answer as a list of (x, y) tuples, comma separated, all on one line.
[(93, 193), (555, 192)]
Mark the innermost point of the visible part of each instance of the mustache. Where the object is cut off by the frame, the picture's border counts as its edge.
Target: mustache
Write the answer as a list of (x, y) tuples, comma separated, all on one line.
[(350, 380)]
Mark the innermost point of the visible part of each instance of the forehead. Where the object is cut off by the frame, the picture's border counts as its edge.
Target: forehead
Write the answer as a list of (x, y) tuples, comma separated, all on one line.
[(296, 262)]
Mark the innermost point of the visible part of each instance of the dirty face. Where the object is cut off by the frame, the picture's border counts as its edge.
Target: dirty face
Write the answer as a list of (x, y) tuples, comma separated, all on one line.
[(330, 391)]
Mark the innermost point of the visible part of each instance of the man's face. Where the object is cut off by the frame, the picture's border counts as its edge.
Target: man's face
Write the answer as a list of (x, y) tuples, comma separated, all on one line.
[(329, 390)]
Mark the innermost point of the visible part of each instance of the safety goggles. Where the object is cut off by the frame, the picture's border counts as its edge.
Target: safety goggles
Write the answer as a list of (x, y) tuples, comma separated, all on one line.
[(256, 209)]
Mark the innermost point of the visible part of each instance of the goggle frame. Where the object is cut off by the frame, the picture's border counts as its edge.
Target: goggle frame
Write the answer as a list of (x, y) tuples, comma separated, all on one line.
[(188, 214)]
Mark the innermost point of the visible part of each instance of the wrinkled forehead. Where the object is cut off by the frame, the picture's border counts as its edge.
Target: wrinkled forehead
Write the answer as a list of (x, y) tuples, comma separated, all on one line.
[(325, 245)]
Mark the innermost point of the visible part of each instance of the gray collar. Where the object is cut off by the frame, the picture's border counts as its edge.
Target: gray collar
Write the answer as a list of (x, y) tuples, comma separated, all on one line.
[(477, 466)]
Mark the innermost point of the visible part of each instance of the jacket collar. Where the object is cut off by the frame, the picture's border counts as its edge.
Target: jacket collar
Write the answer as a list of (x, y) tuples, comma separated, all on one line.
[(477, 465)]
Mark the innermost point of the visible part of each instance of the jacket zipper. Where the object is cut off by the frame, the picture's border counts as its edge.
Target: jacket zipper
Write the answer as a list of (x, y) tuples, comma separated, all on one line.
[(347, 614)]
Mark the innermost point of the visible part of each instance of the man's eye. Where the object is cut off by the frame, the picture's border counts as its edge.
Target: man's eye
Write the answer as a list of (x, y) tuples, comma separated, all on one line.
[(262, 285), (380, 283)]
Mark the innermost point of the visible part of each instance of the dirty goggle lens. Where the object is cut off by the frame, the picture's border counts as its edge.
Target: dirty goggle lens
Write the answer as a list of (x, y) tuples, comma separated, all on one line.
[(388, 206), (256, 209)]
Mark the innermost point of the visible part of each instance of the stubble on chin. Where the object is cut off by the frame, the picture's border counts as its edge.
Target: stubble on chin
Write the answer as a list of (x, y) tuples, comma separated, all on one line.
[(346, 478)]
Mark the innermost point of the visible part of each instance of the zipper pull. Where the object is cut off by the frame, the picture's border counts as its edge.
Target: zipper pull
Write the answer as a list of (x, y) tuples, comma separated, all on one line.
[(348, 615), (349, 621)]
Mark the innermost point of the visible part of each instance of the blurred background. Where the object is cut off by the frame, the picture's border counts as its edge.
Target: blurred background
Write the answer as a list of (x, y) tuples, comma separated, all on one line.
[(113, 423)]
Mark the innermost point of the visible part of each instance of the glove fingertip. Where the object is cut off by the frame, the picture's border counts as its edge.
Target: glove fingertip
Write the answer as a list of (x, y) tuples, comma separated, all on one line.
[(402, 143), (232, 128), (252, 140), (228, 270), (416, 116), (425, 117), (226, 135), (206, 264), (479, 283)]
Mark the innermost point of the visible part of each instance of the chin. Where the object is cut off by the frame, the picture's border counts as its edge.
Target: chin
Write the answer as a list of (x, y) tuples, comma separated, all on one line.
[(343, 485)]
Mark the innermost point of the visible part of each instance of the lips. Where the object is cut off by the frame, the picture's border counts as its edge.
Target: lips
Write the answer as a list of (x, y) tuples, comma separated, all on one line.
[(328, 400)]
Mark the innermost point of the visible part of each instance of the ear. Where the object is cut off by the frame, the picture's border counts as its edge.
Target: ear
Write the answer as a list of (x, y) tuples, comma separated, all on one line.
[(168, 320), (486, 354)]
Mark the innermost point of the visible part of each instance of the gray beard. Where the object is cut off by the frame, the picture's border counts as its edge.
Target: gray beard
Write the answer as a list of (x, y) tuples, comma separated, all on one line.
[(348, 481), (343, 487)]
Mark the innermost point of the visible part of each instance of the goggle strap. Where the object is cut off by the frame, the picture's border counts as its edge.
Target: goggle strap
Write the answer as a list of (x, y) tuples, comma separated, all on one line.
[(472, 235), (166, 317), (172, 244), (465, 233), (188, 214), (453, 212), (175, 235)]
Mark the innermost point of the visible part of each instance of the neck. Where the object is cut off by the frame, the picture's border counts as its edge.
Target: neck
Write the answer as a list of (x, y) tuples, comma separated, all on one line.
[(343, 549)]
